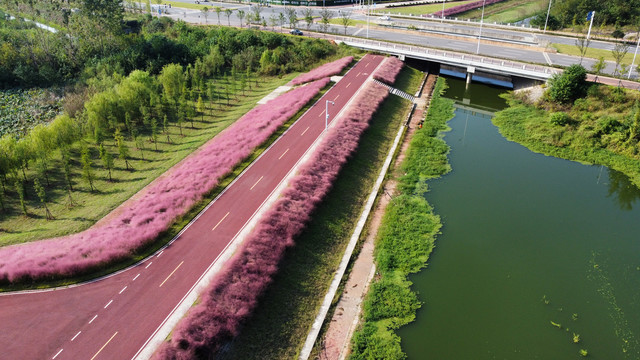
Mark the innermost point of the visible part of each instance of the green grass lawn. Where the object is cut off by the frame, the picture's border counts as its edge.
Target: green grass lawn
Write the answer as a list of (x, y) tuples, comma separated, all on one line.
[(148, 163), (592, 53), (421, 9), (508, 11), (277, 331)]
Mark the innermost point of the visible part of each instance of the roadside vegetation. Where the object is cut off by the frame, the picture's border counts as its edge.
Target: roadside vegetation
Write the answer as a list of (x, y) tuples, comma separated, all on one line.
[(422, 9), (405, 239), (134, 124), (509, 11), (276, 331), (21, 110), (590, 123)]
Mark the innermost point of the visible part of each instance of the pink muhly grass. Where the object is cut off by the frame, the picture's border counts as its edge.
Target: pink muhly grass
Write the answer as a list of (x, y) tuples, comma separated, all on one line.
[(326, 70), (464, 7), (159, 205), (234, 293), (388, 70)]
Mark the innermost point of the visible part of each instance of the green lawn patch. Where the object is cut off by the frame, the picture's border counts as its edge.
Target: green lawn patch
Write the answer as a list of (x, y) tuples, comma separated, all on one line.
[(405, 239), (421, 9), (282, 320), (508, 11), (592, 53)]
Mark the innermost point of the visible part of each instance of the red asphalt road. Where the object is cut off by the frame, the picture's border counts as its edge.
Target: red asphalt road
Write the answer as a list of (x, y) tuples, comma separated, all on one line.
[(114, 317)]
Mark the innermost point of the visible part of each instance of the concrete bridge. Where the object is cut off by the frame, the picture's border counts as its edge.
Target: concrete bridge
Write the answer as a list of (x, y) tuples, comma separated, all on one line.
[(466, 63)]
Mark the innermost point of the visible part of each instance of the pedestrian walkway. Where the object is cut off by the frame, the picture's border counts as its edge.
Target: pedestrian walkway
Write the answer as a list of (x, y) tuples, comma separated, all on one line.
[(397, 92)]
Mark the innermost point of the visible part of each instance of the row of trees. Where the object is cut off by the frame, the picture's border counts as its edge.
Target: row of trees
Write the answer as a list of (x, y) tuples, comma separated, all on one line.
[(574, 12)]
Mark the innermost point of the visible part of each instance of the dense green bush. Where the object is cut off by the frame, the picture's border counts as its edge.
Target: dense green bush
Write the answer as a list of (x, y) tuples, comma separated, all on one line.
[(560, 118), (540, 19), (569, 86)]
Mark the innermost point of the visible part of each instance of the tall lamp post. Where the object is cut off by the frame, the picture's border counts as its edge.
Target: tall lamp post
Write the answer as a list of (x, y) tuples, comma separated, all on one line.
[(634, 57), (546, 21), (326, 113), (481, 21)]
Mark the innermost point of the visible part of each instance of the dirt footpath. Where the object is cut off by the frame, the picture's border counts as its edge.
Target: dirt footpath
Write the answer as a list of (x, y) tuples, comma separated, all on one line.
[(336, 341)]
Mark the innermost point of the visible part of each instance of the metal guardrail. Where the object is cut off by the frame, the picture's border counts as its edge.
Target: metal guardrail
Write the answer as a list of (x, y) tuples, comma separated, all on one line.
[(483, 63)]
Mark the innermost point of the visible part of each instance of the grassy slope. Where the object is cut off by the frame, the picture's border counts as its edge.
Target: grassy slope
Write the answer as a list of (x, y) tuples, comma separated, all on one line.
[(599, 133), (422, 9), (405, 239), (282, 320), (508, 11)]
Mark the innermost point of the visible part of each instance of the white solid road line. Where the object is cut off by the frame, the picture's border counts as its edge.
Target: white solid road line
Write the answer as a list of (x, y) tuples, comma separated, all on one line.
[(75, 336), (58, 353), (546, 57)]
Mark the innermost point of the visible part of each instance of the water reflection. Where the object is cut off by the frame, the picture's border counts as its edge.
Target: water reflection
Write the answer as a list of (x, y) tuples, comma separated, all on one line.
[(623, 190)]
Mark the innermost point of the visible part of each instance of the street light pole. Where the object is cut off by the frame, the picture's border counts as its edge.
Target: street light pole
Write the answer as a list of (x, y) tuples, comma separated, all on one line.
[(634, 57), (326, 113), (481, 21), (545, 22)]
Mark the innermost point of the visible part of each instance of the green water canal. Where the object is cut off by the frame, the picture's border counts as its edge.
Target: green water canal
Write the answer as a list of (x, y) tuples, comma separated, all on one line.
[(534, 249)]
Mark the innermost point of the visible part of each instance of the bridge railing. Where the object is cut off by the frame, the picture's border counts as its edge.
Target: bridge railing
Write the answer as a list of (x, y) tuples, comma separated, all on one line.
[(455, 58)]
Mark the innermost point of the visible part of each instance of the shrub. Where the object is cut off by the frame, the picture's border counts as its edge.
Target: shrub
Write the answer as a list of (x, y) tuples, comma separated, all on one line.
[(159, 205), (552, 24), (617, 33), (233, 295), (569, 85), (560, 118), (388, 70), (326, 70)]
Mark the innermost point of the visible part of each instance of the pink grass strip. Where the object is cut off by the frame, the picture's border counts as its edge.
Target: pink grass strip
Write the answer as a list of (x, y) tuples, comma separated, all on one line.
[(160, 205), (388, 70), (233, 295), (326, 70), (462, 8)]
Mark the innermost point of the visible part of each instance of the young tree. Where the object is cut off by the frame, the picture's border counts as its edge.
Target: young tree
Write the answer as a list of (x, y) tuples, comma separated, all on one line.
[(68, 174), (205, 13), (282, 20), (42, 195), (583, 45), (308, 17), (154, 132), (165, 128), (345, 19), (21, 195), (107, 160), (123, 150), (325, 17), (87, 171), (618, 52), (240, 14), (599, 65), (292, 17), (218, 10), (173, 81), (273, 21), (228, 12), (255, 13), (200, 107)]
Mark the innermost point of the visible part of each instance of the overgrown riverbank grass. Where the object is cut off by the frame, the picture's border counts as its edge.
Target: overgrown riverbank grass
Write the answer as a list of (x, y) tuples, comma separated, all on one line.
[(405, 239), (603, 128), (89, 207), (281, 321)]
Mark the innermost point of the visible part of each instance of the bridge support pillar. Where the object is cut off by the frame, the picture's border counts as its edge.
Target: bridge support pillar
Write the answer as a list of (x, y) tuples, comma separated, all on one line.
[(470, 71)]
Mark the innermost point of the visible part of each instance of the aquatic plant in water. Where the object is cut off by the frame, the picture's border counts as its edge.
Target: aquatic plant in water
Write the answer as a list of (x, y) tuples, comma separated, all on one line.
[(159, 205)]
